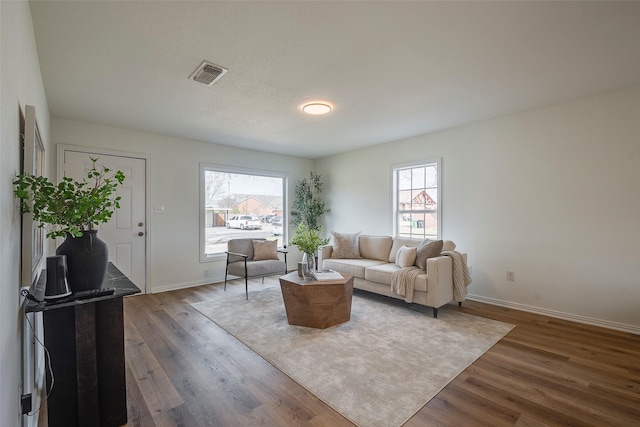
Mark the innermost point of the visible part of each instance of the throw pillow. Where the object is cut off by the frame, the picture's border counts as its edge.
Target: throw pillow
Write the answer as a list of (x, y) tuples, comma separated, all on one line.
[(448, 245), (427, 249), (406, 256), (265, 249), (375, 247), (346, 246)]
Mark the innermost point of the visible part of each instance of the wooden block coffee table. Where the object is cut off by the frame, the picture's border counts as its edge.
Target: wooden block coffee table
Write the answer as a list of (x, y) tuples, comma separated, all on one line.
[(316, 304)]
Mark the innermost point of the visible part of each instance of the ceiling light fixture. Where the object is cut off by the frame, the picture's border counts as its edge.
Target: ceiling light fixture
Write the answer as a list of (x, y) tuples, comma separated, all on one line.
[(316, 108)]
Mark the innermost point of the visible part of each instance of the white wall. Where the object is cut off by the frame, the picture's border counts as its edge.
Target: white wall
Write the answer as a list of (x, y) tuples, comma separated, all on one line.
[(552, 194), (20, 84), (175, 184)]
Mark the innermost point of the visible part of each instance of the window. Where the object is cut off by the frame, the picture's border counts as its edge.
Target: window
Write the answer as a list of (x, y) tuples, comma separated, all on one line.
[(237, 203), (416, 195)]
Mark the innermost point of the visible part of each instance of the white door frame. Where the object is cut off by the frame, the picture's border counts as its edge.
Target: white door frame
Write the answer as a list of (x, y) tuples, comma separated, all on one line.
[(61, 148)]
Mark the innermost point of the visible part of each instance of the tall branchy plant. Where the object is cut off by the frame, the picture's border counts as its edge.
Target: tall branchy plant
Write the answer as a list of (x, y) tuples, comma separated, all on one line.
[(308, 203), (70, 207), (308, 208)]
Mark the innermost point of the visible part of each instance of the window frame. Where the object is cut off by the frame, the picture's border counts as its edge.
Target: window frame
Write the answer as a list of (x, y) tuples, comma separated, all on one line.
[(394, 186), (204, 167)]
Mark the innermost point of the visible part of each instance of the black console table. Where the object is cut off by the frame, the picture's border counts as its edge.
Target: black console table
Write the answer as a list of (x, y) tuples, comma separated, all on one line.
[(85, 339)]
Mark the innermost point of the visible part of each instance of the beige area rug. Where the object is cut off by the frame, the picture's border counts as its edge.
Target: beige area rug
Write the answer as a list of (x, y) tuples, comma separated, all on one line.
[(379, 368)]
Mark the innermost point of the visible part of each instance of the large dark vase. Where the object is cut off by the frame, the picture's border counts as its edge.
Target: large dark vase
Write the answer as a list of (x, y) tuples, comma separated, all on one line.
[(87, 259)]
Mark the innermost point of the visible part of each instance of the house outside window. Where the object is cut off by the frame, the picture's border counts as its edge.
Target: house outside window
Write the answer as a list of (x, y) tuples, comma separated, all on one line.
[(240, 203), (416, 199)]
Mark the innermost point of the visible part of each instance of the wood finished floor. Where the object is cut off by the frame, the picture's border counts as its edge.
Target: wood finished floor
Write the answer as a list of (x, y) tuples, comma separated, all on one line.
[(183, 370)]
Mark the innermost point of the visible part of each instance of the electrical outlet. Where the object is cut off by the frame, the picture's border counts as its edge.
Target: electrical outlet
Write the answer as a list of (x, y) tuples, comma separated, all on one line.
[(510, 276), (470, 269), (206, 273)]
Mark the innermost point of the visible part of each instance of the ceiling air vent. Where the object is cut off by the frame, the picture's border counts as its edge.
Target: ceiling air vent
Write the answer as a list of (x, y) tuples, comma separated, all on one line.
[(208, 73)]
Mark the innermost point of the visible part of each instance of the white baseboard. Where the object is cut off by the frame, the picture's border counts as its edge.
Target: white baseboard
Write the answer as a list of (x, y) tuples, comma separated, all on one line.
[(558, 314)]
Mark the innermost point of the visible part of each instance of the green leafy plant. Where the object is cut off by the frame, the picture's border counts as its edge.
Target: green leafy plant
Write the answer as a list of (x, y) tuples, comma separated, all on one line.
[(308, 204), (308, 240), (70, 207)]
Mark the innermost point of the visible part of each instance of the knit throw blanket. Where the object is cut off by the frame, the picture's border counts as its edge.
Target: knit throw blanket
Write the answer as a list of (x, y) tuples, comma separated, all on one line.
[(403, 281), (461, 276)]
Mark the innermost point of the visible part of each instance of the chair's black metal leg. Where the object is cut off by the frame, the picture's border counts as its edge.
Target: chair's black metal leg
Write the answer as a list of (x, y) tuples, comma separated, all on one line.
[(226, 271), (263, 280), (435, 312), (246, 280), (459, 303)]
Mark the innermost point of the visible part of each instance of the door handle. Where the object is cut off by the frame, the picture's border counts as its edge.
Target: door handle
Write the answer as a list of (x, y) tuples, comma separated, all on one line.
[(140, 234), (140, 224)]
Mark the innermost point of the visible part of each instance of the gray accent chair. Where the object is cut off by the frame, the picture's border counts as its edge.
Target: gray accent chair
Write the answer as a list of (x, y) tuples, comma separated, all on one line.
[(240, 262)]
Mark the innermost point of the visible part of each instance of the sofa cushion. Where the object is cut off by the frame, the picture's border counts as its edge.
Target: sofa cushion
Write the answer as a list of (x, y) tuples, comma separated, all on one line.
[(258, 268), (375, 247), (399, 242), (406, 256), (345, 246), (265, 249), (354, 267), (427, 249), (382, 274)]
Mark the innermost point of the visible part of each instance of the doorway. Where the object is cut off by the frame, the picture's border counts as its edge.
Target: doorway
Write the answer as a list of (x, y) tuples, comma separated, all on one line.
[(126, 232)]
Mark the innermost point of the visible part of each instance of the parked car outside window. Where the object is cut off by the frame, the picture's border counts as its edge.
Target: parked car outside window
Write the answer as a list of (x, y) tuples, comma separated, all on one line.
[(244, 222), (276, 226)]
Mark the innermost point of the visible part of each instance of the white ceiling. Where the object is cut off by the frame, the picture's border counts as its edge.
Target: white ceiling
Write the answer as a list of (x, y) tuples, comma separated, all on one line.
[(391, 69)]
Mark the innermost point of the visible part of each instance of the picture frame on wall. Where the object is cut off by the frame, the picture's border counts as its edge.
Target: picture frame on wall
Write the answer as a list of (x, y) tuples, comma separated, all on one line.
[(33, 237)]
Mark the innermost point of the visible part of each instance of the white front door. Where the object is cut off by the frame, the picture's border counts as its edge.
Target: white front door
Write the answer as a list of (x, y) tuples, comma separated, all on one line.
[(125, 233)]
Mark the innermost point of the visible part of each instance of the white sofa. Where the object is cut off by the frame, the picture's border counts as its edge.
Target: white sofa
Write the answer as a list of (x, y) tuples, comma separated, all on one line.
[(373, 271)]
